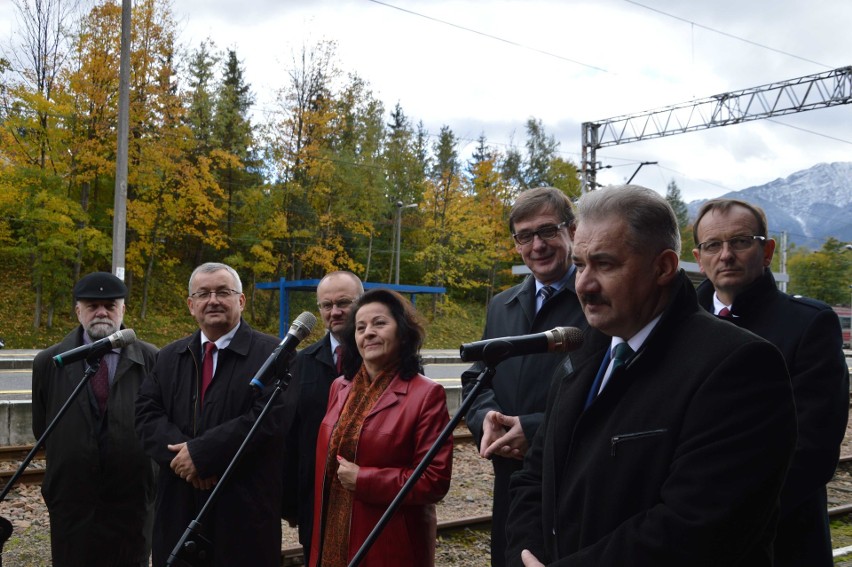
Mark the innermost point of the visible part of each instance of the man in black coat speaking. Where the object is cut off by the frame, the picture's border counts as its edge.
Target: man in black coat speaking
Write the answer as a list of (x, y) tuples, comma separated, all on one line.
[(667, 436), (193, 413)]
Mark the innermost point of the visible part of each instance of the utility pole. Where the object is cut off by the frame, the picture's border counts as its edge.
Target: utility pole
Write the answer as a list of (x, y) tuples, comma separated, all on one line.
[(119, 221)]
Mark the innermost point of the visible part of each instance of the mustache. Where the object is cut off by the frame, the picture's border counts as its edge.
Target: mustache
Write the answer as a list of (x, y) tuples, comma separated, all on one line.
[(592, 299)]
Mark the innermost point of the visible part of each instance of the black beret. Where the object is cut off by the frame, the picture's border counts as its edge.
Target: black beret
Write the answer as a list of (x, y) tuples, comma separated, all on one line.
[(100, 285)]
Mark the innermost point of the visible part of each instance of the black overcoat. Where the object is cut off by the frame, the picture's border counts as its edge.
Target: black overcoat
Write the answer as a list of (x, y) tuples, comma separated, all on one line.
[(679, 460), (521, 383), (99, 483), (244, 524), (306, 402), (808, 334)]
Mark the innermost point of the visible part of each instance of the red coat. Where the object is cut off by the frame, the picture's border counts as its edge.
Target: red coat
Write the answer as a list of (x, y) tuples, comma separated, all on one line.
[(396, 435)]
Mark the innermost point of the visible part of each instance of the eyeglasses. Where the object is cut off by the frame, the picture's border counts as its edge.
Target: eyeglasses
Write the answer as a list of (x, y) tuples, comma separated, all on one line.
[(736, 244), (340, 304), (545, 233), (204, 294)]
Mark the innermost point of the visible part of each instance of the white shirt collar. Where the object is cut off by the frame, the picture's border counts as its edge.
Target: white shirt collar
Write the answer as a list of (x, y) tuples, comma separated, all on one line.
[(636, 341), (718, 305), (223, 341), (556, 285)]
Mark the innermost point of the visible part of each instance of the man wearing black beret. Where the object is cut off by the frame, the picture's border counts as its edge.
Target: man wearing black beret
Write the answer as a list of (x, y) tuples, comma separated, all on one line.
[(99, 484)]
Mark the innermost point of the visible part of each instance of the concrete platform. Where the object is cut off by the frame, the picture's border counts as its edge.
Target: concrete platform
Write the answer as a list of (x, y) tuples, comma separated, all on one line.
[(16, 415)]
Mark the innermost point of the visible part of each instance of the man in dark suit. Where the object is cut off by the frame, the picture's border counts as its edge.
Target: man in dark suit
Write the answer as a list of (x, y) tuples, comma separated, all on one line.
[(505, 416), (734, 251), (193, 413), (668, 434), (93, 455), (314, 369)]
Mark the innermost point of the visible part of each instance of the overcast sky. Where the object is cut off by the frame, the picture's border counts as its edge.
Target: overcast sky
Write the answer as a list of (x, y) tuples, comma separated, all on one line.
[(486, 66)]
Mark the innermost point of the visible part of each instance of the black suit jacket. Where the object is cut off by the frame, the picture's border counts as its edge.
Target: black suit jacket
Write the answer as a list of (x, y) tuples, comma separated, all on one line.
[(521, 383), (679, 461), (808, 334), (306, 399)]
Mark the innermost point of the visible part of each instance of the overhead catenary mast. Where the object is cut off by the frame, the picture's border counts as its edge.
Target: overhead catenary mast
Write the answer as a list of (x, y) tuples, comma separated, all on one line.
[(822, 90)]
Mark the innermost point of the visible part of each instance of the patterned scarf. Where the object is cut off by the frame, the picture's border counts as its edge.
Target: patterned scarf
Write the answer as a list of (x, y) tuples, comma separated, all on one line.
[(362, 397)]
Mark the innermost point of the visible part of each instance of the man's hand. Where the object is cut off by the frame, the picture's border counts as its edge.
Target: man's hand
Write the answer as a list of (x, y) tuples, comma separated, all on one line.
[(347, 473), (502, 435), (530, 560), (183, 466)]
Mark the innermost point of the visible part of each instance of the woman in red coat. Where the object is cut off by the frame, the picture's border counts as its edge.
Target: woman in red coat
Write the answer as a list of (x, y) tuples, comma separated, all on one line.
[(383, 416)]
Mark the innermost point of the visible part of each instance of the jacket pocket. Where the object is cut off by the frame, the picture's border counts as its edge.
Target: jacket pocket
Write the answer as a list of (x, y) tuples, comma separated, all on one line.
[(620, 439)]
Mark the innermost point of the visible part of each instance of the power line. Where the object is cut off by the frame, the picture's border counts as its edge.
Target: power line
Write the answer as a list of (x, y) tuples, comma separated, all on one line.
[(730, 35), (490, 36)]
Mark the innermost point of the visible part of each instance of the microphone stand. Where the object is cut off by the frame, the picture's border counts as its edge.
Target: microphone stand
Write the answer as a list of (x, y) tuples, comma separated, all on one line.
[(5, 525), (193, 549), (491, 357)]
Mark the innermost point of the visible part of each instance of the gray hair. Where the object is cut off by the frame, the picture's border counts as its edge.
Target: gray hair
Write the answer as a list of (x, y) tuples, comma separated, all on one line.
[(215, 267), (651, 222)]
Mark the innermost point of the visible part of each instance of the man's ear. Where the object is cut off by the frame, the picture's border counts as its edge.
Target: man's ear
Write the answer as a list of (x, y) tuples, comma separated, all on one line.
[(668, 266), (768, 251)]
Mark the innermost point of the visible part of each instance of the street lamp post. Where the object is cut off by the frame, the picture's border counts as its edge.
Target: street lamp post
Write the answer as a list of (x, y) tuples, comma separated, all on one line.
[(399, 207)]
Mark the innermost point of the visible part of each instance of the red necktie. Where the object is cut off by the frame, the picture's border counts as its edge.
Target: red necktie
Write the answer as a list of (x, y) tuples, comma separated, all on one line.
[(338, 354), (100, 384), (207, 367), (725, 313)]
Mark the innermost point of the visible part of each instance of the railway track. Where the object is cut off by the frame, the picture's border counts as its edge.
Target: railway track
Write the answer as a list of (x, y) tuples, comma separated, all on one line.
[(845, 509), (293, 555), (9, 457), (290, 556)]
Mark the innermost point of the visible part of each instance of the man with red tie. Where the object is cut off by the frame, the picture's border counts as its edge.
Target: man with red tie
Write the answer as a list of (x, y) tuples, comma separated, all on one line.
[(194, 411), (314, 369), (93, 455), (734, 251)]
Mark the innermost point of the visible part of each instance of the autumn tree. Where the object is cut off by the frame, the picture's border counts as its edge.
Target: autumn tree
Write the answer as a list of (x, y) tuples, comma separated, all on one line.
[(492, 197), (174, 211), (823, 274), (35, 129)]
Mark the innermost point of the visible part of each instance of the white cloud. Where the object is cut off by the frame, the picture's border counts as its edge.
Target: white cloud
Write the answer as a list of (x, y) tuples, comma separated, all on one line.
[(546, 64)]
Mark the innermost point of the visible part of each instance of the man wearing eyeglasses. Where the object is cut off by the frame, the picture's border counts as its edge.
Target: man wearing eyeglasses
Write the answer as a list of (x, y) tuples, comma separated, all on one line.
[(193, 413), (314, 369), (506, 415), (734, 252)]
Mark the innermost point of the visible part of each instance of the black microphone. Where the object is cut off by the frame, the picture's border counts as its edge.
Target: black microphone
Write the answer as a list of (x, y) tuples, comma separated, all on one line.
[(96, 349), (301, 328), (560, 339)]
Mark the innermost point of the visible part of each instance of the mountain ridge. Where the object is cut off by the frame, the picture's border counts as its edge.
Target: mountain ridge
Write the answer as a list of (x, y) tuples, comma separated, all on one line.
[(810, 205)]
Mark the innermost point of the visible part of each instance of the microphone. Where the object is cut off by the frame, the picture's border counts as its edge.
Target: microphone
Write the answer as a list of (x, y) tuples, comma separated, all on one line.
[(560, 339), (96, 349), (301, 328)]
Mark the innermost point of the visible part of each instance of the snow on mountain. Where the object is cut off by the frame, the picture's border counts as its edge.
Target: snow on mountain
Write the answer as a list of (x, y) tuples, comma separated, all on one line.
[(810, 205)]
